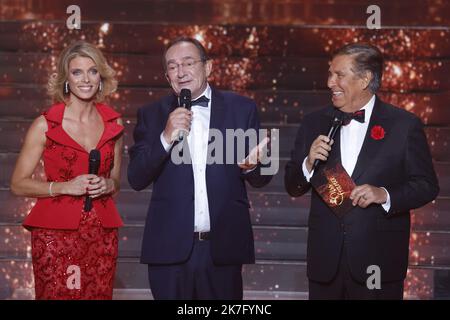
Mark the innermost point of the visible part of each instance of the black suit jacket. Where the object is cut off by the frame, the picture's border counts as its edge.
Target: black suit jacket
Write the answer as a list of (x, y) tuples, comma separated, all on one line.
[(400, 162), (168, 235)]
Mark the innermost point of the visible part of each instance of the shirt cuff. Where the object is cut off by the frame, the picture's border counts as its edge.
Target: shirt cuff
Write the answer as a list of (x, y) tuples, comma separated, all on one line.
[(166, 145), (387, 205), (250, 170), (306, 173)]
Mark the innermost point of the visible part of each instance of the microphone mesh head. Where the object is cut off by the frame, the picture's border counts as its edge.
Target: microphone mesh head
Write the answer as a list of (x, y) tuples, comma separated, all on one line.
[(94, 155), (185, 95), (185, 98)]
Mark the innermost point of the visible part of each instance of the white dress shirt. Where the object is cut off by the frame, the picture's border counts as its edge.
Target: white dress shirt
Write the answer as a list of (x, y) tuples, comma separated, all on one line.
[(352, 138), (198, 147)]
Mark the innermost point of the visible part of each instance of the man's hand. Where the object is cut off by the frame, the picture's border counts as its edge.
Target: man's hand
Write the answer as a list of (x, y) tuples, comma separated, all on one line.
[(179, 120), (320, 149), (254, 156), (366, 194)]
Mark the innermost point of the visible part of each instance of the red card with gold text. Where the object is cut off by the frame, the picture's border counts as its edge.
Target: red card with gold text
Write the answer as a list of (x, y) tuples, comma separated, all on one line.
[(334, 185)]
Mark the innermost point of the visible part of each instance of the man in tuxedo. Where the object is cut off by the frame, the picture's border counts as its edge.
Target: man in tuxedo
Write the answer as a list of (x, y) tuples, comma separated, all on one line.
[(385, 151), (198, 232)]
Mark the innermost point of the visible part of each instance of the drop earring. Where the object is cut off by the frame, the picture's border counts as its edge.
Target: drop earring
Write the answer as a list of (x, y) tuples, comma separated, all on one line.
[(66, 87), (100, 86)]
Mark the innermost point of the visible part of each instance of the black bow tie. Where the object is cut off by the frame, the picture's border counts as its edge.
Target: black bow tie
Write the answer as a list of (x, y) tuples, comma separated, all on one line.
[(202, 102), (358, 116)]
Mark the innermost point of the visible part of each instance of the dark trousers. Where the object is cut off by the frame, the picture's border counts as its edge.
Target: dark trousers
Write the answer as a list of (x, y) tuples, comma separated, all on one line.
[(344, 287), (197, 278)]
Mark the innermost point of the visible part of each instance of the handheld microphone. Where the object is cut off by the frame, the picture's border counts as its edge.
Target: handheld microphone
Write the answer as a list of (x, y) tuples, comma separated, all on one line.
[(335, 125), (184, 102), (94, 164)]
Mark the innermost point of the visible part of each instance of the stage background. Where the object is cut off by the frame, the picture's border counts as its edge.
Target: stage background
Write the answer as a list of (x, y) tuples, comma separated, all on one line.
[(273, 51)]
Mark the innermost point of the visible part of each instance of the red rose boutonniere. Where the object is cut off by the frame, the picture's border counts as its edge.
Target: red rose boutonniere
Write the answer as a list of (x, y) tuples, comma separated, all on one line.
[(377, 132)]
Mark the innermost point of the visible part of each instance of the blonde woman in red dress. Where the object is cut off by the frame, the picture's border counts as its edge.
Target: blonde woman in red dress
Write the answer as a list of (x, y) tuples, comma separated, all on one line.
[(74, 252)]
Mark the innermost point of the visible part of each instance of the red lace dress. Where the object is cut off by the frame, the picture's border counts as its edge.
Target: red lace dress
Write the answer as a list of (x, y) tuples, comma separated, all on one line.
[(74, 252)]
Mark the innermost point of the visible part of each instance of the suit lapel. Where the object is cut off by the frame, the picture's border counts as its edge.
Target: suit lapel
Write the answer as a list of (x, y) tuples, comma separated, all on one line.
[(335, 154), (216, 121), (169, 105), (371, 146), (217, 110), (214, 173)]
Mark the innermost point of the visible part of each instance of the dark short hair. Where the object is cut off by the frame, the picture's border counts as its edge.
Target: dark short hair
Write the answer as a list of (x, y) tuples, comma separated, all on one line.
[(201, 49), (365, 58)]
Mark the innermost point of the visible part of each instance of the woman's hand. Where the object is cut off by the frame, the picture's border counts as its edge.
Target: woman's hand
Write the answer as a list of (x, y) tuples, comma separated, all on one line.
[(100, 186), (78, 186)]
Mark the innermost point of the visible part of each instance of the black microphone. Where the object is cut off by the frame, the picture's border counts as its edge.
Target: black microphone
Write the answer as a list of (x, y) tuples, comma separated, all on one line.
[(94, 164), (335, 125), (184, 102)]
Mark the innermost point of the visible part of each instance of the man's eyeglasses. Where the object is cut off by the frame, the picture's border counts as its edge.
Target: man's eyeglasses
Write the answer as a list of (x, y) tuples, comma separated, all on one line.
[(172, 67)]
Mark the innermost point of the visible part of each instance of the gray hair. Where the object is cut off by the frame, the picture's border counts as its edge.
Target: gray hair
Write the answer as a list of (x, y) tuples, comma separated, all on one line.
[(365, 58)]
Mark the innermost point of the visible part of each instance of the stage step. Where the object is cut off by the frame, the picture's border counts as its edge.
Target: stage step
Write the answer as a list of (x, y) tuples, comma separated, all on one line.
[(282, 73), (274, 106), (275, 185), (265, 279), (267, 209), (227, 40), (14, 131), (271, 277), (255, 12), (146, 294), (271, 243), (427, 248)]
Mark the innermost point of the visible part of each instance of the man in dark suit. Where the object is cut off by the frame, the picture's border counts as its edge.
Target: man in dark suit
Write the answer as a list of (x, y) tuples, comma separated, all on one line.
[(198, 231), (384, 150)]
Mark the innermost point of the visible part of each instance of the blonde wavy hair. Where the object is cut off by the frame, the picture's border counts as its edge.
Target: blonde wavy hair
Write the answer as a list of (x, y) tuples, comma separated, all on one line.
[(56, 82)]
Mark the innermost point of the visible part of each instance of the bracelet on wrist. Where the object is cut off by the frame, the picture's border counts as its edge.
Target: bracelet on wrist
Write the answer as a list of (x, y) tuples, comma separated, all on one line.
[(50, 189)]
